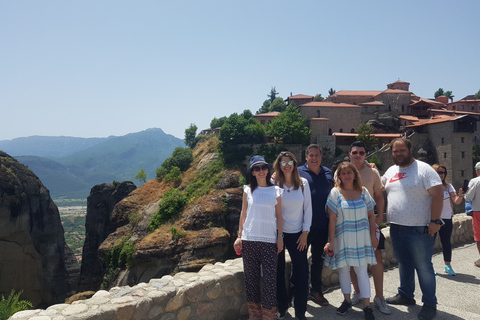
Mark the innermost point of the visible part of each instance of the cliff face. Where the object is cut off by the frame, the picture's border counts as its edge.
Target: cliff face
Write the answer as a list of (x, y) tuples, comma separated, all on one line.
[(32, 244), (99, 224), (206, 229)]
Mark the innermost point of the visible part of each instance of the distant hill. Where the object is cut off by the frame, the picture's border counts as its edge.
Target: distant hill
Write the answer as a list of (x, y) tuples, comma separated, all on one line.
[(72, 168)]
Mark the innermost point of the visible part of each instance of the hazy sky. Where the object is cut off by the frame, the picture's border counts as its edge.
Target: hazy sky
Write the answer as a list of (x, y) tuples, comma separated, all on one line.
[(101, 68)]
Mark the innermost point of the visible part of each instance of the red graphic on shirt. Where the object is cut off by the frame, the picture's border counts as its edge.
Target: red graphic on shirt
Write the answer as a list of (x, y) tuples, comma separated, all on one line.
[(397, 176)]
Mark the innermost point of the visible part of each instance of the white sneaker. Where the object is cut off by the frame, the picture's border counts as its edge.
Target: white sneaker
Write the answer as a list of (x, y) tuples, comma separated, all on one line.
[(381, 304), (355, 298)]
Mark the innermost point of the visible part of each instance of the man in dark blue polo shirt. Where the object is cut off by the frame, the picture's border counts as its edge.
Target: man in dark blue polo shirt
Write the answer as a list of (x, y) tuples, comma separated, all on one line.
[(320, 180)]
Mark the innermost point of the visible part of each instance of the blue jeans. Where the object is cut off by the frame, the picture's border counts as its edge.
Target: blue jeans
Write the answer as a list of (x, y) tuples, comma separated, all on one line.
[(299, 277), (413, 248)]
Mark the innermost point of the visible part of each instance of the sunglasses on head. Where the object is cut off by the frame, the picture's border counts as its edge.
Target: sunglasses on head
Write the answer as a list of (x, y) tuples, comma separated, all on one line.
[(441, 172), (358, 152), (263, 167), (284, 163)]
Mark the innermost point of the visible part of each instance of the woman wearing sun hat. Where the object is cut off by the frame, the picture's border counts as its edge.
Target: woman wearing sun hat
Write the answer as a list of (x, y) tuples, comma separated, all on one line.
[(260, 239)]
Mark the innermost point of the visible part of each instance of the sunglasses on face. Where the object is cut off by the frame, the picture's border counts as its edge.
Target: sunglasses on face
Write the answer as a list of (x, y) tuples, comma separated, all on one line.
[(260, 168), (441, 172), (358, 152), (284, 163)]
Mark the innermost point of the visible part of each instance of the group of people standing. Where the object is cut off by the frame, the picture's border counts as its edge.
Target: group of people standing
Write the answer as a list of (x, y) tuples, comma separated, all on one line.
[(334, 215)]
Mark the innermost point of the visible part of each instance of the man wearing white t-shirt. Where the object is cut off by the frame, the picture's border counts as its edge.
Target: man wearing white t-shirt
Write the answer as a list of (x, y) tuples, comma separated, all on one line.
[(414, 206)]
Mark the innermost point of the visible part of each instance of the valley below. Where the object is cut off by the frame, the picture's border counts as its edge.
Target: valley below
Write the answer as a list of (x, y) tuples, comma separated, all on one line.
[(73, 221)]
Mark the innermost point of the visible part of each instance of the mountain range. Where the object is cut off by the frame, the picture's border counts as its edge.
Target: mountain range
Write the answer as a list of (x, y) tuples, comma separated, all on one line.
[(69, 166)]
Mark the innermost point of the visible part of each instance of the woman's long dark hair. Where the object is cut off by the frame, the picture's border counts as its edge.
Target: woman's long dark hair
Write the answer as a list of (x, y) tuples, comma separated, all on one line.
[(444, 181)]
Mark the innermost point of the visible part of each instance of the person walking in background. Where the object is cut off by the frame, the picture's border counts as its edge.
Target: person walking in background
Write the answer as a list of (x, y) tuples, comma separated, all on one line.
[(449, 196), (371, 180), (297, 218), (473, 194), (414, 206), (320, 181), (351, 234), (260, 239)]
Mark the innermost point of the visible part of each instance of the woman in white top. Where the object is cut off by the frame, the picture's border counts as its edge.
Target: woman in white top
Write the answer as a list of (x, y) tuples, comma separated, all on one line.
[(260, 239), (297, 218), (449, 196)]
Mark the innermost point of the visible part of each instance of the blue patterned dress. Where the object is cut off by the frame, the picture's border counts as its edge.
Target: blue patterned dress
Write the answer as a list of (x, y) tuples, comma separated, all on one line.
[(353, 245)]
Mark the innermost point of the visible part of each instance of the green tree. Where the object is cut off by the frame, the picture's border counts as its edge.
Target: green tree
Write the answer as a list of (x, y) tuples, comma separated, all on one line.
[(246, 114), (277, 105), (477, 95), (191, 136), (318, 97), (439, 93), (264, 108), (290, 126), (181, 158), (170, 206), (141, 176), (215, 123), (449, 95), (273, 94), (331, 92), (237, 130), (365, 132)]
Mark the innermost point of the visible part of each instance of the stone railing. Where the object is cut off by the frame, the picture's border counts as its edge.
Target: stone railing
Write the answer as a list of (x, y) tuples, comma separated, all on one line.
[(215, 292)]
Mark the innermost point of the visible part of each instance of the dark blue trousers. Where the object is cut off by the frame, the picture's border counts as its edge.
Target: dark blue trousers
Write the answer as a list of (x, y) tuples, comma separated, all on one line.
[(299, 277)]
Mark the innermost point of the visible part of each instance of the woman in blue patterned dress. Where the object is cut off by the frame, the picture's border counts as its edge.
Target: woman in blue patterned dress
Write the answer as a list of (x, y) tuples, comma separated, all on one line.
[(352, 236)]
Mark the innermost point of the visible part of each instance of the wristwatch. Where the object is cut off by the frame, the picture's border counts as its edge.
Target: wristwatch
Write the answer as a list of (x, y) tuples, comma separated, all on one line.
[(440, 222), (281, 235)]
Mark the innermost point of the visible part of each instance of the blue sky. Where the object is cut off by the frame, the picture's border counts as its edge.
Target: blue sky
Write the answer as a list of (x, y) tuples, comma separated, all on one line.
[(101, 68)]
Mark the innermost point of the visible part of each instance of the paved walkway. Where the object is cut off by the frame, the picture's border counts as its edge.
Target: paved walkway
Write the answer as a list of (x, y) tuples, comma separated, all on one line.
[(458, 296)]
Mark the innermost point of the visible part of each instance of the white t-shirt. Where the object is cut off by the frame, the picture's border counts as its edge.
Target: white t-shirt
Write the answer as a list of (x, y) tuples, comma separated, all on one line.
[(297, 208), (261, 221), (471, 195), (408, 201), (447, 211)]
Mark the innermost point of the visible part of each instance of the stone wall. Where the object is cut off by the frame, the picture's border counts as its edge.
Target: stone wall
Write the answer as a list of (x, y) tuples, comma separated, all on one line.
[(215, 292)]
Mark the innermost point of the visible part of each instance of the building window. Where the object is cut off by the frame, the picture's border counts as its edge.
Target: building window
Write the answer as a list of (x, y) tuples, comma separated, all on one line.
[(365, 109), (352, 131), (389, 108), (445, 155), (462, 108), (454, 107), (330, 132), (443, 140), (462, 173), (462, 139), (341, 130), (403, 108), (318, 113), (473, 108), (463, 154)]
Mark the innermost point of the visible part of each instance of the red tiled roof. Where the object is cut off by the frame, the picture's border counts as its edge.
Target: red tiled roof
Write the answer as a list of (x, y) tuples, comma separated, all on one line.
[(356, 93), (378, 135), (372, 103), (437, 119), (432, 102), (395, 91), (300, 96), (319, 119), (327, 104), (400, 81), (268, 114), (407, 117)]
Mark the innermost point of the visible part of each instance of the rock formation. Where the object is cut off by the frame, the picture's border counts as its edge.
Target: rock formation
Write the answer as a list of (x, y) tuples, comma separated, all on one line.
[(100, 222), (32, 244)]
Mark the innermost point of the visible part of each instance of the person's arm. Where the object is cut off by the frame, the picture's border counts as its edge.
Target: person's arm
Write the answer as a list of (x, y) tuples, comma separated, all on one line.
[(331, 230), (436, 192), (371, 222), (378, 197), (278, 214), (243, 216), (307, 217), (456, 198)]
